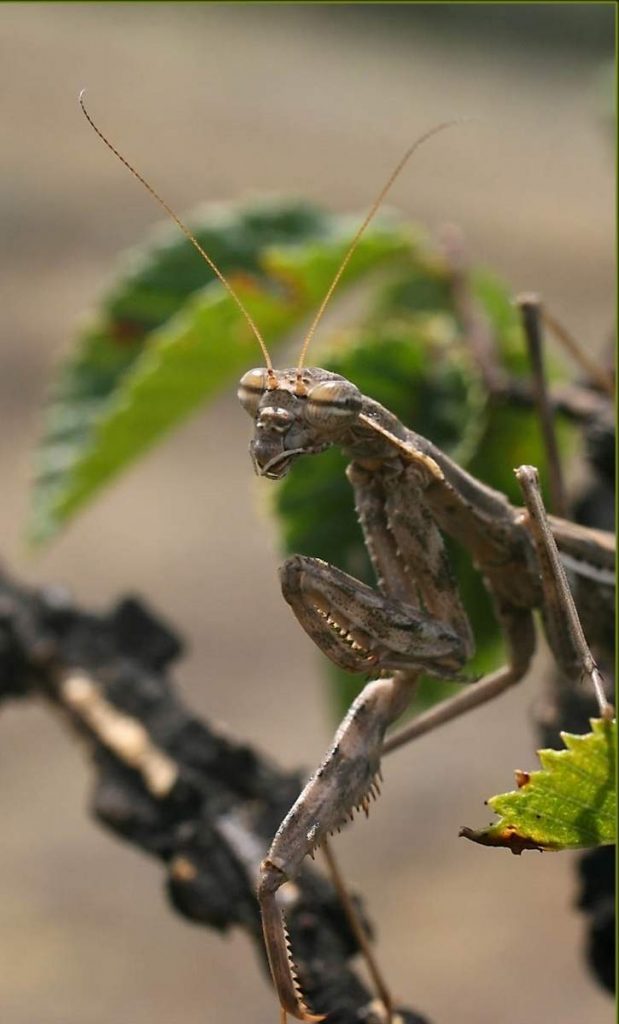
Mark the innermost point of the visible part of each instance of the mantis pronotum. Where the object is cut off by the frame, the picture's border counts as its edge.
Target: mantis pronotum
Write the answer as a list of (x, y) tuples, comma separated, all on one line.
[(407, 493)]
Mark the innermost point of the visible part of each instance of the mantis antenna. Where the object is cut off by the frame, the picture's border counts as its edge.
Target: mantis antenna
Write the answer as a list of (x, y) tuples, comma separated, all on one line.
[(369, 216), (186, 232)]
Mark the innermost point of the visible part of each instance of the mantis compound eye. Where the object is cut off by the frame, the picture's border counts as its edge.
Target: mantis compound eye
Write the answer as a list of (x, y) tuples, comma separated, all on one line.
[(251, 389), (335, 402)]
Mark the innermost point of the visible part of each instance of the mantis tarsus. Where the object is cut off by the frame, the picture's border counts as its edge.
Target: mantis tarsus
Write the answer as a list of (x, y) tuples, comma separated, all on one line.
[(407, 493)]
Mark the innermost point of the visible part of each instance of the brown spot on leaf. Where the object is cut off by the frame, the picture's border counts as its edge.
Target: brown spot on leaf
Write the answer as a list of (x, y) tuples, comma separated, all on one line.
[(241, 280), (126, 332), (506, 836), (521, 778)]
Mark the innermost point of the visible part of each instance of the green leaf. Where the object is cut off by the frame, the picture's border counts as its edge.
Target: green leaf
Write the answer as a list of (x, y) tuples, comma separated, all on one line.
[(569, 804), (163, 344)]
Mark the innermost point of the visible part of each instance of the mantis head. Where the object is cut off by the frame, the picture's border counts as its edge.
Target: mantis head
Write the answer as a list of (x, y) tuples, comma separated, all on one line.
[(296, 413)]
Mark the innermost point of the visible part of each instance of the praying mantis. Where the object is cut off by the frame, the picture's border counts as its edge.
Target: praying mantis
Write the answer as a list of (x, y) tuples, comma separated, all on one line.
[(408, 494)]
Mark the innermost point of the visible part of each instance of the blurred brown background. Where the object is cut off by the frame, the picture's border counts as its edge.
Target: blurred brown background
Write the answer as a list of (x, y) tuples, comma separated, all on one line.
[(218, 101)]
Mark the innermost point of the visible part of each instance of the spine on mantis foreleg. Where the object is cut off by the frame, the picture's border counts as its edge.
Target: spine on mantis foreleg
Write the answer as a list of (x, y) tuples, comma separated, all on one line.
[(277, 943)]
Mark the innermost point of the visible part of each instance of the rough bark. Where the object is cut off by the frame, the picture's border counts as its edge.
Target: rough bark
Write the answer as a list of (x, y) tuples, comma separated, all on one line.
[(205, 805)]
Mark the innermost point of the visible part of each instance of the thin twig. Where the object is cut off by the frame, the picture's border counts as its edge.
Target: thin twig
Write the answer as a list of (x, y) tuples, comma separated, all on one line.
[(203, 804), (556, 586), (358, 930), (530, 311), (474, 322), (597, 373)]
